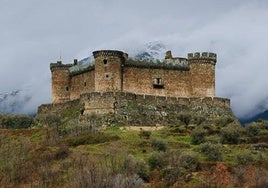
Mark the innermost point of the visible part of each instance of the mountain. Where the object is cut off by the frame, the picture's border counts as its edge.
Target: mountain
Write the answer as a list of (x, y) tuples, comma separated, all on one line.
[(151, 51), (263, 116)]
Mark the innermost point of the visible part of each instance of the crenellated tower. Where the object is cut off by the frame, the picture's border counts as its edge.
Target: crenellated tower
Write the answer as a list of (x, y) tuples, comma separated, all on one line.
[(202, 67), (108, 70), (60, 82)]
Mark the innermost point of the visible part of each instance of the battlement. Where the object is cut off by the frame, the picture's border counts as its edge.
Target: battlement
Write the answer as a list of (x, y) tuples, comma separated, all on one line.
[(115, 53), (203, 56), (59, 66)]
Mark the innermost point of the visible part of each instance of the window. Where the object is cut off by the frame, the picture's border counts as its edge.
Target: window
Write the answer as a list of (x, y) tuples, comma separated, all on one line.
[(106, 76), (85, 84), (158, 83), (105, 61), (67, 88)]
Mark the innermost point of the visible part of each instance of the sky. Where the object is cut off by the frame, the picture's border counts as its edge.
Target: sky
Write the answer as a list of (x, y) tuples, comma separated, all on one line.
[(34, 33)]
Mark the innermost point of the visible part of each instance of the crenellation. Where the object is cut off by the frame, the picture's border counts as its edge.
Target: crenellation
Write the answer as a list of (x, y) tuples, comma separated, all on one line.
[(211, 57)]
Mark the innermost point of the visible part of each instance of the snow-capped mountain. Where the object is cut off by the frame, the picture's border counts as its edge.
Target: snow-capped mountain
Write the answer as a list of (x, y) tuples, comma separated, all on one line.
[(151, 51)]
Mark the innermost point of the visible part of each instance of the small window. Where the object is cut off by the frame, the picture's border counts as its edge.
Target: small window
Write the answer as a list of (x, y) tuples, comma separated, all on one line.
[(105, 61), (158, 83), (67, 88), (85, 84), (107, 76)]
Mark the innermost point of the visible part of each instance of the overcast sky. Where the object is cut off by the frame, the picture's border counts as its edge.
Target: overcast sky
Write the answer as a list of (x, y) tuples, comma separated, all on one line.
[(34, 33)]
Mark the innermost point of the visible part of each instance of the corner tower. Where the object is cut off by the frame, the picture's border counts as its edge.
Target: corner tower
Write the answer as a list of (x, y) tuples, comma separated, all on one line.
[(60, 82), (108, 70), (202, 68)]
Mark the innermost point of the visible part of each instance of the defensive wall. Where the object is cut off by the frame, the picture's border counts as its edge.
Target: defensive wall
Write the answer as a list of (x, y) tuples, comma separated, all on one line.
[(134, 109)]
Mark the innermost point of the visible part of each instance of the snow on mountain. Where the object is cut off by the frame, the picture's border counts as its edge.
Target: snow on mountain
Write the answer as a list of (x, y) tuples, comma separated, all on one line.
[(151, 51)]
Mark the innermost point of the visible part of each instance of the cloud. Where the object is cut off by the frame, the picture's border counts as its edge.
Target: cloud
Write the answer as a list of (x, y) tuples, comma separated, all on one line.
[(33, 34)]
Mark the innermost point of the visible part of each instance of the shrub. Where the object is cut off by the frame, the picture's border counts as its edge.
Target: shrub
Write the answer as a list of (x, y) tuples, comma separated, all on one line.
[(252, 129), (230, 134), (189, 160), (198, 135), (157, 160), (212, 151), (145, 134), (159, 145), (15, 121), (185, 118), (244, 158), (142, 169)]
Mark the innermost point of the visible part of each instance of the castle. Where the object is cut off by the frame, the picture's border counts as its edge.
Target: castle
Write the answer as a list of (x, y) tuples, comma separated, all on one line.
[(116, 84), (113, 71)]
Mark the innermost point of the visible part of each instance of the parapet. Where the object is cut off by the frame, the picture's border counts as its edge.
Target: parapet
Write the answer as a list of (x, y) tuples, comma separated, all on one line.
[(203, 56), (116, 53), (59, 66)]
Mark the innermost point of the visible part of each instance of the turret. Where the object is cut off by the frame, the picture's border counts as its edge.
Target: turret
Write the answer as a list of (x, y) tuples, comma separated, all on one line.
[(202, 68), (108, 70), (60, 82)]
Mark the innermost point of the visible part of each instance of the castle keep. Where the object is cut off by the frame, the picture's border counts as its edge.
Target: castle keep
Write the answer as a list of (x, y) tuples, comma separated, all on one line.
[(128, 88)]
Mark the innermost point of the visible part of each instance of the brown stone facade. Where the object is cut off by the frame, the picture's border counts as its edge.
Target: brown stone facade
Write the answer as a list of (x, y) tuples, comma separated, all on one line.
[(113, 71)]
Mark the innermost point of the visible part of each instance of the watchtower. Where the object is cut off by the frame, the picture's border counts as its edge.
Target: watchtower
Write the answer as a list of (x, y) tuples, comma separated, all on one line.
[(60, 82), (108, 70), (202, 66)]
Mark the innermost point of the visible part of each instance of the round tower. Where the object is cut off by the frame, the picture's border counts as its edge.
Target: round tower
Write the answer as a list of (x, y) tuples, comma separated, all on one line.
[(202, 68), (60, 82), (108, 70)]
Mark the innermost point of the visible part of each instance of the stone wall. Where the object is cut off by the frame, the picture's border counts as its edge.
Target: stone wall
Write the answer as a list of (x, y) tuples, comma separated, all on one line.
[(133, 109), (141, 81), (82, 83)]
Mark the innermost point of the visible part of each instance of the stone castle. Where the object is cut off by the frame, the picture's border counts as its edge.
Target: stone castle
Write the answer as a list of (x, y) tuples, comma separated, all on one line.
[(114, 82)]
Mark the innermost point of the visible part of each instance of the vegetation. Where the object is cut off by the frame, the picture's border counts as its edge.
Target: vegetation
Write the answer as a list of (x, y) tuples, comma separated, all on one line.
[(53, 151)]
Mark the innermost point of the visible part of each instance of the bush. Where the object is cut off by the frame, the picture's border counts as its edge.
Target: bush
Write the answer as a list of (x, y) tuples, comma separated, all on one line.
[(159, 145), (230, 134), (15, 121), (157, 160), (252, 129), (142, 170), (185, 118), (189, 161), (244, 158), (198, 135), (212, 151), (145, 134)]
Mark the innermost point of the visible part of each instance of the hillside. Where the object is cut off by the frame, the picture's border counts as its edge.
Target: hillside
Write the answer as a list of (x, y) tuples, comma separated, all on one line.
[(67, 152)]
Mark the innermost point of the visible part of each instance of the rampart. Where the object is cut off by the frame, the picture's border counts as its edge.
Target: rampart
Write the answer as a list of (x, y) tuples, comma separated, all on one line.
[(133, 109)]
